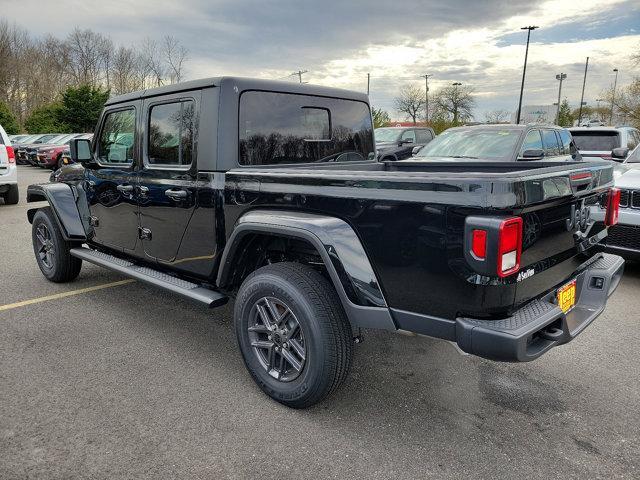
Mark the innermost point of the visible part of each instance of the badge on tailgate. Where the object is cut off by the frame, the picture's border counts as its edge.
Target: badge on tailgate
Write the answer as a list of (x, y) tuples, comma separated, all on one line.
[(567, 296)]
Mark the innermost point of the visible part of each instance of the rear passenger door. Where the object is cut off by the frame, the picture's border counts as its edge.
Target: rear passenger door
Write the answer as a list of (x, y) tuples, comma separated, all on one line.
[(550, 144), (167, 185), (423, 136)]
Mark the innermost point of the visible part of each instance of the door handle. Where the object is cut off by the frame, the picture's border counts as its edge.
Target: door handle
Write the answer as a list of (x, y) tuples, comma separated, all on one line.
[(125, 188), (175, 194)]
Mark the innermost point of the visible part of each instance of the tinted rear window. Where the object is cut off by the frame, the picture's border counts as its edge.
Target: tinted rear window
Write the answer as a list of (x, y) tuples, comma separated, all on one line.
[(281, 128), (596, 140)]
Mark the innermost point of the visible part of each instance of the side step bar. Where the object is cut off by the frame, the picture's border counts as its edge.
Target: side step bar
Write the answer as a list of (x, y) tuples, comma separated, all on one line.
[(187, 289)]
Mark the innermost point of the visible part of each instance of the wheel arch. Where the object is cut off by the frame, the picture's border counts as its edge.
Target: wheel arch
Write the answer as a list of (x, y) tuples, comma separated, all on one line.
[(63, 200), (336, 244)]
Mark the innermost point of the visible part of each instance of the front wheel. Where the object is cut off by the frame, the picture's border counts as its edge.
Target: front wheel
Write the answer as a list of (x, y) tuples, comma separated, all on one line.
[(294, 336), (52, 250)]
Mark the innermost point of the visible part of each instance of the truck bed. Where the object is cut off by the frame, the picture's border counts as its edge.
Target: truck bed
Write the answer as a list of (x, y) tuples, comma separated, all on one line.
[(410, 217)]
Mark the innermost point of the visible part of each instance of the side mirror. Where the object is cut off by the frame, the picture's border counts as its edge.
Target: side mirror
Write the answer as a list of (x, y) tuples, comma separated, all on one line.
[(533, 154), (80, 151), (620, 153), (415, 150)]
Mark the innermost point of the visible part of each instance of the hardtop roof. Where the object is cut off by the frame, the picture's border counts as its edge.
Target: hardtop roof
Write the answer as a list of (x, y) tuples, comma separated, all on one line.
[(243, 84)]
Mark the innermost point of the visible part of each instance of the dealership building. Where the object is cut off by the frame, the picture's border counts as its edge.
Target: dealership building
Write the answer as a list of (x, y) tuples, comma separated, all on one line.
[(536, 114)]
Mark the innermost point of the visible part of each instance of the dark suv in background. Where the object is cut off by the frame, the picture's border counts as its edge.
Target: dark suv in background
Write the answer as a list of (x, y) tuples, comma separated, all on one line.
[(398, 143)]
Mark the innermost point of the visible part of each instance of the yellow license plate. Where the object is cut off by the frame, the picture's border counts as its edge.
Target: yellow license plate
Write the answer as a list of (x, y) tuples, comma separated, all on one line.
[(567, 296)]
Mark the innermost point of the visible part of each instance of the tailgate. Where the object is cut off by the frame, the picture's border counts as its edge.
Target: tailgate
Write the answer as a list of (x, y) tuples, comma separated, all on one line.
[(559, 234)]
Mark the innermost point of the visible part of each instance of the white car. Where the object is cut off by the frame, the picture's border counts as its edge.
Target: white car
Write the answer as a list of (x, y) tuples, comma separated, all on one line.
[(624, 238), (8, 171)]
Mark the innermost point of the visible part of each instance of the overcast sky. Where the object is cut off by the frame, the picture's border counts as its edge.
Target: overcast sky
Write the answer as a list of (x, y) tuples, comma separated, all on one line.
[(476, 42)]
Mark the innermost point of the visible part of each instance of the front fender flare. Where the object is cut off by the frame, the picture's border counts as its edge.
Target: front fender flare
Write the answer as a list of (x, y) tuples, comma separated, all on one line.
[(341, 250), (63, 199)]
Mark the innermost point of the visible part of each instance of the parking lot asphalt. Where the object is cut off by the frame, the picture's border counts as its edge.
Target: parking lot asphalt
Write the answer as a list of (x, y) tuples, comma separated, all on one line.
[(125, 381)]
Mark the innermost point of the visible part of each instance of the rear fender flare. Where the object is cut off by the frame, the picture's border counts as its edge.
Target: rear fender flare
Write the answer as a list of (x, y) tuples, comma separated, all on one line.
[(64, 201), (341, 251)]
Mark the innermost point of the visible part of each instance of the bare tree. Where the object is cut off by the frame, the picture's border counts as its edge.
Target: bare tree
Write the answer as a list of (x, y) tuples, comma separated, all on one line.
[(34, 71), (152, 62), (87, 56), (175, 56), (127, 71), (626, 103), (410, 102), (456, 103), (497, 116)]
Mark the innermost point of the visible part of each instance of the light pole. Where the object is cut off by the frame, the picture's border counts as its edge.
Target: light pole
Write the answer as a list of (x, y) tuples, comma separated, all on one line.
[(584, 82), (613, 95), (426, 96), (524, 69), (560, 77), (455, 102)]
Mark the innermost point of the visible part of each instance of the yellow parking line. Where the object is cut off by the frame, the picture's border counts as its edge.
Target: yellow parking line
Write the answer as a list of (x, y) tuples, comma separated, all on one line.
[(57, 296)]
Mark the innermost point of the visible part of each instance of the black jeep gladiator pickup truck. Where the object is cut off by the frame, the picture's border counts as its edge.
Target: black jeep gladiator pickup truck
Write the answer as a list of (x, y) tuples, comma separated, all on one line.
[(270, 193)]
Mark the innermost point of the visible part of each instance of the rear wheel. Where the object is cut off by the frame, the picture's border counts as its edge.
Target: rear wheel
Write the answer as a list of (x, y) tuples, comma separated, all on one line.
[(12, 196), (52, 250), (294, 336)]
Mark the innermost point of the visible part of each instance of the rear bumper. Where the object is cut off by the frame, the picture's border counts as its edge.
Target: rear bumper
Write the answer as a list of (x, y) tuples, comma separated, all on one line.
[(541, 324)]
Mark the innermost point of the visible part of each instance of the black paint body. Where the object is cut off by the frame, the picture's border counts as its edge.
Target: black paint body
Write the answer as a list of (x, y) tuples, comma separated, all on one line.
[(408, 217)]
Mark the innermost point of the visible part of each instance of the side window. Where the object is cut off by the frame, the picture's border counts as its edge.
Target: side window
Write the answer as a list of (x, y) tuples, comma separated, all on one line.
[(565, 142), (285, 128), (550, 142), (532, 141), (423, 136), (632, 140), (170, 134), (116, 140), (409, 135)]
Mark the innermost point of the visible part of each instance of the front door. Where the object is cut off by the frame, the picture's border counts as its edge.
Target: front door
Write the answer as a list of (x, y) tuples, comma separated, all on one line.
[(167, 180), (110, 181)]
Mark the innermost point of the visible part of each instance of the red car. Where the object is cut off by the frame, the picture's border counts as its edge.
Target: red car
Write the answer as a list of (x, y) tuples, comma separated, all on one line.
[(50, 156)]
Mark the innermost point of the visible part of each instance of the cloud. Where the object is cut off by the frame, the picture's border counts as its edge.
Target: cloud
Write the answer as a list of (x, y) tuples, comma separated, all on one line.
[(478, 43)]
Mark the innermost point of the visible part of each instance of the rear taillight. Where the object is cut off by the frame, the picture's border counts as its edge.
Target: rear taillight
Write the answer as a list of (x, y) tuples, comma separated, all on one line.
[(479, 244), (493, 245), (509, 246), (11, 154), (613, 207)]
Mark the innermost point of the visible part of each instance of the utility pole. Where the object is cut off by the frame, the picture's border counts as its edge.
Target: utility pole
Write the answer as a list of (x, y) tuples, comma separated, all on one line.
[(455, 103), (426, 96), (613, 95), (299, 74), (584, 82), (368, 82), (560, 77), (524, 69)]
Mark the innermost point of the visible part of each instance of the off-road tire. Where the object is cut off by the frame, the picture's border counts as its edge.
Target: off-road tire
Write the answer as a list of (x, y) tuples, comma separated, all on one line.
[(61, 266), (328, 338), (12, 196)]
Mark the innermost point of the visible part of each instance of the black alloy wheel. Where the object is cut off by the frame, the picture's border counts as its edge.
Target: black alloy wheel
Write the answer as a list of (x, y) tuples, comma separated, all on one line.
[(294, 336), (44, 245)]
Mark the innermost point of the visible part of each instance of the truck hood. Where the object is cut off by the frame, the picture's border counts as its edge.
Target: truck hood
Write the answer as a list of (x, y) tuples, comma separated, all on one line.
[(627, 176)]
